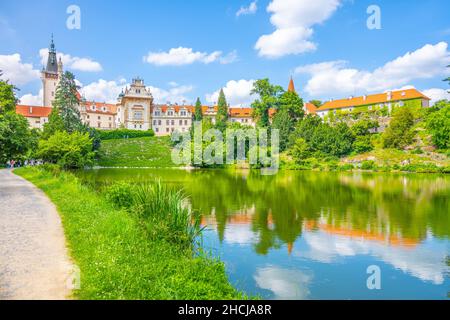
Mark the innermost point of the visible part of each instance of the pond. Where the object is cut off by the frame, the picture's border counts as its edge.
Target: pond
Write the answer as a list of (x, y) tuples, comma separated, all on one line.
[(313, 235)]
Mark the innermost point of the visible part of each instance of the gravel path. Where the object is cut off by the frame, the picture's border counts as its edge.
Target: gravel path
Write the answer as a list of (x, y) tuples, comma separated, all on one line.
[(34, 263)]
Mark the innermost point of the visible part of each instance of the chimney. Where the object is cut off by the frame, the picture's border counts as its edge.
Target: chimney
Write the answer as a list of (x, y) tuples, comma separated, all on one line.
[(365, 97), (389, 95), (31, 109)]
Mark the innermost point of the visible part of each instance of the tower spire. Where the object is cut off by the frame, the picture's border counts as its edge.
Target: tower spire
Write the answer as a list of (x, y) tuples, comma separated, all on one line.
[(52, 63), (291, 87)]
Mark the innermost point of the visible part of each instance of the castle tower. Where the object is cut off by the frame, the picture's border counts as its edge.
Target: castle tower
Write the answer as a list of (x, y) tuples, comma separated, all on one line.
[(291, 87), (135, 106), (50, 75)]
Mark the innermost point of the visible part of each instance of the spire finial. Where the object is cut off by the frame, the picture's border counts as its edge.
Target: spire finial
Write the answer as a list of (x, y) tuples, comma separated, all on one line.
[(291, 87)]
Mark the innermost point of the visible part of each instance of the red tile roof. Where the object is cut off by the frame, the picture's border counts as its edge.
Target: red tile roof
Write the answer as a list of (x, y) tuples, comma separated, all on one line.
[(33, 111), (111, 109), (373, 99), (310, 108)]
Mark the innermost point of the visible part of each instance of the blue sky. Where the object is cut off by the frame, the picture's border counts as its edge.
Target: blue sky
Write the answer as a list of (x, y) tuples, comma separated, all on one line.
[(325, 45)]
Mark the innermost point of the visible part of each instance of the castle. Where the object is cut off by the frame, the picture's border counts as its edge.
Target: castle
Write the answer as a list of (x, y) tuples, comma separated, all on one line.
[(136, 110)]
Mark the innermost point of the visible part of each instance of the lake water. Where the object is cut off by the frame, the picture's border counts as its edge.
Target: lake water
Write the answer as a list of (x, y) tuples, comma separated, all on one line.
[(313, 235)]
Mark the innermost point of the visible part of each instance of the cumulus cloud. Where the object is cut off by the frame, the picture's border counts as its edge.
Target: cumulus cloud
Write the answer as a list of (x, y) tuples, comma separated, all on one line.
[(32, 100), (436, 94), (236, 92), (251, 9), (184, 56), (74, 63), (108, 91), (293, 20), (16, 71), (336, 78), (175, 94)]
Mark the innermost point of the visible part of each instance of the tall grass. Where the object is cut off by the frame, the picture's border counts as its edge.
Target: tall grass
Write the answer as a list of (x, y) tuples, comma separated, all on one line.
[(166, 214)]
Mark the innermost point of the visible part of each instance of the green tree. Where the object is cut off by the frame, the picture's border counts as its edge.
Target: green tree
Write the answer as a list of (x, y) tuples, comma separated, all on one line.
[(69, 150), (8, 98), (362, 132), (293, 104), (222, 112), (316, 103), (285, 124), (268, 98), (66, 101), (300, 150), (55, 123), (15, 136), (198, 115), (447, 79), (438, 123), (399, 133)]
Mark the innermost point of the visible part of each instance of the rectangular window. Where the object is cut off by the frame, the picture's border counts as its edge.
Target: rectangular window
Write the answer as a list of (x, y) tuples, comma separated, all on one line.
[(138, 115), (173, 122), (159, 122), (181, 122), (99, 118), (156, 129), (167, 129), (185, 122), (167, 122)]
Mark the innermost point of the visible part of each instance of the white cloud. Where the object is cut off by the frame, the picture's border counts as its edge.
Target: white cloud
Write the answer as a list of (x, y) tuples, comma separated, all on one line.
[(229, 58), (32, 100), (102, 90), (74, 63), (176, 94), (335, 78), (108, 91), (436, 94), (251, 9), (17, 72), (293, 20), (236, 92), (183, 56)]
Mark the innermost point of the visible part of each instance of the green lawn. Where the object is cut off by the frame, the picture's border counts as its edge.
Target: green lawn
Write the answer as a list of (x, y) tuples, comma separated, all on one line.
[(116, 258), (137, 152)]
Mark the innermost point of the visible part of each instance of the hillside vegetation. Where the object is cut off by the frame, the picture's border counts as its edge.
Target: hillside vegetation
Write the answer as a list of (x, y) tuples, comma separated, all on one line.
[(137, 152)]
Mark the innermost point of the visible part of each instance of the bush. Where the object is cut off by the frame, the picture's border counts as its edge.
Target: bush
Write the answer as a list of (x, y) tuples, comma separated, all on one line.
[(368, 165), (399, 133), (68, 150), (120, 194), (438, 124), (124, 134)]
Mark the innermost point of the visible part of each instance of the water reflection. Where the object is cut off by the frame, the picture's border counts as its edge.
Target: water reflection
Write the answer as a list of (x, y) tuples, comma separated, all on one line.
[(277, 232)]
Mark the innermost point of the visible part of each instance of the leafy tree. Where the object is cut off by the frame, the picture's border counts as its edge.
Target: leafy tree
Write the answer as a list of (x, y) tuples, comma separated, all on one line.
[(438, 123), (305, 129), (316, 103), (399, 133), (361, 131), (55, 123), (66, 101), (222, 112), (8, 99), (15, 136), (293, 104), (198, 115), (300, 150), (447, 79), (285, 124), (268, 98), (69, 150)]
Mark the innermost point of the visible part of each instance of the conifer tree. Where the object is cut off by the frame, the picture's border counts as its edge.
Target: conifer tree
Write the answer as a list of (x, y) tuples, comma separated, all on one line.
[(222, 112), (66, 101), (198, 116)]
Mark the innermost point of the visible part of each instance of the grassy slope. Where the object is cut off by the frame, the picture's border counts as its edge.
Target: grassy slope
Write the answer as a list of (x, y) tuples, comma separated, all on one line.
[(137, 152), (116, 260)]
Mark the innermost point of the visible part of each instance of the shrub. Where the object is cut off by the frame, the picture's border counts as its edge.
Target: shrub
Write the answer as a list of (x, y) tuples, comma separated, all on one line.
[(368, 165), (120, 194), (124, 134), (438, 124), (68, 150), (399, 133)]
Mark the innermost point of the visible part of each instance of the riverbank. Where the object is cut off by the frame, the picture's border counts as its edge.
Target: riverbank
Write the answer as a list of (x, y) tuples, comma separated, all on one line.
[(116, 258)]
